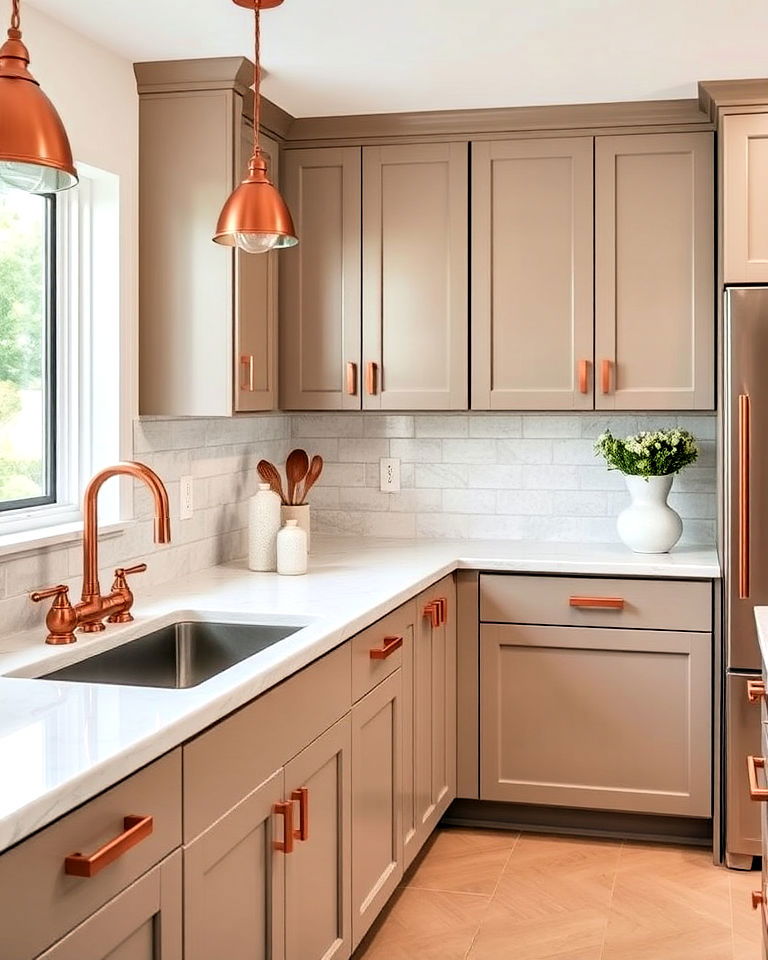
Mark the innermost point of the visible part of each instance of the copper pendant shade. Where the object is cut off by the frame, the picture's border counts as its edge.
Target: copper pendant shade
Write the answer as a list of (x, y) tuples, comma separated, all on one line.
[(255, 217), (34, 149)]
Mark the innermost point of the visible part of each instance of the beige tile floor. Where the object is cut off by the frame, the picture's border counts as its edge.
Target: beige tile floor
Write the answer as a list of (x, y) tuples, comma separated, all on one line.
[(495, 895)]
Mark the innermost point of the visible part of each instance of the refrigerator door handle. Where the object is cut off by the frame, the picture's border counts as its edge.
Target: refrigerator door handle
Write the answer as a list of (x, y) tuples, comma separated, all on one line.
[(744, 492)]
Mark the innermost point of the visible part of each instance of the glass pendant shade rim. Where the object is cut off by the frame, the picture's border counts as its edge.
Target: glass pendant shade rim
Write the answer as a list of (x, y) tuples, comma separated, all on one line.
[(255, 207)]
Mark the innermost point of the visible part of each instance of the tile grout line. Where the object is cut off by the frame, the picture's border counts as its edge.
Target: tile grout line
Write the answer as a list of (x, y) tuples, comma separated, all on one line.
[(610, 900), (493, 893)]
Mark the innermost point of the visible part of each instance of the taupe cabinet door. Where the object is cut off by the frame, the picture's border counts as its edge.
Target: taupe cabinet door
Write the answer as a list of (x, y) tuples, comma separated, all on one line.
[(320, 282), (415, 328), (430, 783), (318, 871), (606, 719), (654, 272), (141, 923), (745, 198), (532, 325), (377, 741), (255, 353), (234, 882)]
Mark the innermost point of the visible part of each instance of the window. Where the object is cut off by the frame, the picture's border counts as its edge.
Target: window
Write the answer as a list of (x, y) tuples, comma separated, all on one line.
[(27, 349)]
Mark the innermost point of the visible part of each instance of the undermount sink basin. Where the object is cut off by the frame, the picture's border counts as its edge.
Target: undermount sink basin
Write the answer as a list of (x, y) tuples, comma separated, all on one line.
[(180, 655)]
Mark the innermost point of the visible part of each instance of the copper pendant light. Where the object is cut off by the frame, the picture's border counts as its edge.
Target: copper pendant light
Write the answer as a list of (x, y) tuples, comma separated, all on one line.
[(255, 217), (34, 150)]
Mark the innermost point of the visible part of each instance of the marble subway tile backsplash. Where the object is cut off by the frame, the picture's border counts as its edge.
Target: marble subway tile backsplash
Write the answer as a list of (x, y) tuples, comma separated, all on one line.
[(496, 476)]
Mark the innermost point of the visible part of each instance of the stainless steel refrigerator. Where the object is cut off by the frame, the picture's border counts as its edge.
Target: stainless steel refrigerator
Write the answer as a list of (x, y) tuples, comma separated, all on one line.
[(744, 554)]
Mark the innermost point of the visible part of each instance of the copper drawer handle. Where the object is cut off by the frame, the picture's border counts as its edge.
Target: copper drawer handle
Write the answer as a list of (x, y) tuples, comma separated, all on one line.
[(390, 645), (351, 378), (432, 611), (583, 376), (371, 370), (302, 797), (758, 898), (284, 809), (756, 792), (745, 425), (247, 362), (598, 603), (135, 829), (755, 690), (606, 368), (443, 605)]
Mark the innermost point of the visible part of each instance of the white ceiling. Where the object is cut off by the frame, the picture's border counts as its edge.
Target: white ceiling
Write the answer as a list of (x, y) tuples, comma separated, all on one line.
[(362, 56)]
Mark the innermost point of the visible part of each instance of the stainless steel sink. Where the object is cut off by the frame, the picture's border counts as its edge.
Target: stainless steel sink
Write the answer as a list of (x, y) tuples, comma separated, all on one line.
[(180, 655)]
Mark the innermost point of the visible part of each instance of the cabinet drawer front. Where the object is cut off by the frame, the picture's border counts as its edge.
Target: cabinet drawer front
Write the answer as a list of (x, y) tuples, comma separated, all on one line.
[(222, 765), (33, 871), (376, 653), (597, 602), (602, 719)]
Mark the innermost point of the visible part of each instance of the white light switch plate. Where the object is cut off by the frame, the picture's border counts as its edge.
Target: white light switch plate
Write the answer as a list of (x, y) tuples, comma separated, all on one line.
[(390, 474), (186, 499)]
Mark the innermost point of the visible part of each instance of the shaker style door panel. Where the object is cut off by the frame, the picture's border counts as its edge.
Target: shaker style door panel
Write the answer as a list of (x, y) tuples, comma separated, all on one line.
[(607, 719), (377, 841), (532, 324), (144, 922), (318, 871), (415, 323), (255, 355), (745, 198), (234, 882), (320, 282), (654, 272)]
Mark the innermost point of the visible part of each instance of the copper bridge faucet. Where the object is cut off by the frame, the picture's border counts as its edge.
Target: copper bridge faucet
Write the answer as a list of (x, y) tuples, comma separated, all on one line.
[(63, 618)]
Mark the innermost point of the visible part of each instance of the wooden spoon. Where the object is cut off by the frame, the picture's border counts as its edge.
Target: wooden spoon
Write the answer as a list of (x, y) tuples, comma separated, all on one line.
[(315, 469), (270, 474), (296, 467)]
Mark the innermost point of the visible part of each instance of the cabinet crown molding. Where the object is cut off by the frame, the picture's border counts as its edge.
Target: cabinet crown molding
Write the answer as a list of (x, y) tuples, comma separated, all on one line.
[(715, 94)]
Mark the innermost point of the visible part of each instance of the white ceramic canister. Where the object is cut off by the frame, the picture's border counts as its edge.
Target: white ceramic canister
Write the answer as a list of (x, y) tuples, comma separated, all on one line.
[(291, 549), (263, 526), (300, 513), (649, 524)]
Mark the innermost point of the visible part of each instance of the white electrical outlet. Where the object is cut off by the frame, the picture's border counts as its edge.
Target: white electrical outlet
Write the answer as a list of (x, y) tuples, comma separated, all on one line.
[(186, 499), (390, 474)]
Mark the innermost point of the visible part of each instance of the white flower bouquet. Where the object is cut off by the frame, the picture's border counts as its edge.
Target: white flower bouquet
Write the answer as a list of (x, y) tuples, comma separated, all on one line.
[(656, 453)]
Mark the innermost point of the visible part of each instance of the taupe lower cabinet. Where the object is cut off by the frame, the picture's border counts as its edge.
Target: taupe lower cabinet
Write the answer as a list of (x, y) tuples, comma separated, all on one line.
[(208, 313), (533, 226), (399, 340), (744, 151), (600, 715)]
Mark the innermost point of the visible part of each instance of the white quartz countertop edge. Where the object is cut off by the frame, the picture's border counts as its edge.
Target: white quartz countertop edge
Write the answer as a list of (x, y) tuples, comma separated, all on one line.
[(63, 743), (761, 619)]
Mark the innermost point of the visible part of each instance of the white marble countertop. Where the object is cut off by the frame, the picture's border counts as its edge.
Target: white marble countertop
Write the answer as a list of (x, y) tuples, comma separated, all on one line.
[(62, 743)]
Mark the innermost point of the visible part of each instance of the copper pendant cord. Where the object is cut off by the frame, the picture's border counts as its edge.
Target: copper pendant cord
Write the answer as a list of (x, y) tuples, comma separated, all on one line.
[(256, 77), (14, 31)]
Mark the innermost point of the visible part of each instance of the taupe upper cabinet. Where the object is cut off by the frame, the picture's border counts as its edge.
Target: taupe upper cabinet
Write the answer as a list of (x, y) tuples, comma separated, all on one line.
[(415, 330), (654, 272), (745, 198), (532, 327), (320, 334), (207, 313)]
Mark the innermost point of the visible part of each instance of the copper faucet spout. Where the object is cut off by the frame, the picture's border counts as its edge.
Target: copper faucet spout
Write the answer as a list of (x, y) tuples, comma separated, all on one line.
[(139, 471)]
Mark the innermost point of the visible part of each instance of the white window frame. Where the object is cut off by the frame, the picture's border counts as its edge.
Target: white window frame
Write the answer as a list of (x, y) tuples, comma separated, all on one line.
[(90, 378)]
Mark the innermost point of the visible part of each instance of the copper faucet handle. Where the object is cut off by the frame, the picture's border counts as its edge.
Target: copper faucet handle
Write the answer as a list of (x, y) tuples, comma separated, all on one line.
[(62, 617), (121, 589), (61, 592), (122, 572)]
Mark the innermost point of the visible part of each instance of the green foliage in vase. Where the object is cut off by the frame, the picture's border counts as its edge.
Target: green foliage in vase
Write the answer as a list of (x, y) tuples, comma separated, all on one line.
[(654, 453)]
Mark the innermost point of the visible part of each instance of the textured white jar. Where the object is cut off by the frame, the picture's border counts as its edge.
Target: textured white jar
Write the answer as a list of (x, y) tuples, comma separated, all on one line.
[(263, 527), (291, 549), (649, 524), (300, 513)]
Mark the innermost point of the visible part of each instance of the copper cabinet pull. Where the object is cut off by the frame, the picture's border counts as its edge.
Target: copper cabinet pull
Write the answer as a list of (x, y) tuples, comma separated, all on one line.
[(351, 378), (583, 376), (387, 649), (443, 609), (371, 370), (135, 829), (606, 368), (302, 796), (756, 792), (432, 610), (755, 690), (758, 898), (247, 361), (598, 603), (745, 411), (284, 809)]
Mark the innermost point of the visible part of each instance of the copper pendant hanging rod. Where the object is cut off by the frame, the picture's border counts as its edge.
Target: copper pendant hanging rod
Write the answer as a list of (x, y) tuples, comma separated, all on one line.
[(252, 4)]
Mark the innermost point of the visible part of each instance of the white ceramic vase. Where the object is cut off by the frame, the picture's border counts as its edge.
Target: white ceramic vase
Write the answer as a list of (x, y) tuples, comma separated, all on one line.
[(649, 524), (291, 549), (263, 525), (300, 513)]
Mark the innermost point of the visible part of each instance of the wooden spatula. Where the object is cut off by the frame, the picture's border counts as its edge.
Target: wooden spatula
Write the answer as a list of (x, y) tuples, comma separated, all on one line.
[(315, 469), (271, 475)]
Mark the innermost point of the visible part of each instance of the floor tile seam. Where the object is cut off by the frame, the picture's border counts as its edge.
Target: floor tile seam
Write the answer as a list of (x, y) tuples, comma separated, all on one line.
[(610, 902), (463, 893)]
